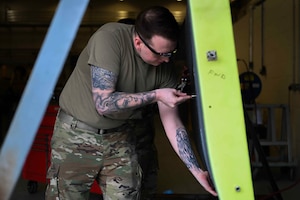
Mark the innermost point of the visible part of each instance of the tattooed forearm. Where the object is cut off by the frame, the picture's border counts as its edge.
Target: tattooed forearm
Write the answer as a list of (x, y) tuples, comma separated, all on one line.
[(119, 101), (185, 150), (111, 102)]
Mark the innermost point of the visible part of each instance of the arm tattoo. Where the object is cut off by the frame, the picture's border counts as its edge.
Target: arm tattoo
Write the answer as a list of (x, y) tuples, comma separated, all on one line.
[(117, 101), (103, 79), (185, 150)]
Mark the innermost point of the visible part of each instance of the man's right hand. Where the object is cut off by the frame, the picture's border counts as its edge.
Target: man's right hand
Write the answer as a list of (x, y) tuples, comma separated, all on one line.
[(171, 97)]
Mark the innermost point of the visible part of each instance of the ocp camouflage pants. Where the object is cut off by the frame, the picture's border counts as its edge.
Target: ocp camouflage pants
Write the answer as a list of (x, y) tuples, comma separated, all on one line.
[(79, 156), (144, 131)]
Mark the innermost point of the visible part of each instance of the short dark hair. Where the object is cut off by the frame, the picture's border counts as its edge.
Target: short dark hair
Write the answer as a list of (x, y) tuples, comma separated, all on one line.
[(157, 20)]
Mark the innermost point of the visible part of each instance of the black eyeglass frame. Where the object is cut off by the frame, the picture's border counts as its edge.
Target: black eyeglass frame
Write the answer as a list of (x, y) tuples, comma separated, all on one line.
[(168, 55)]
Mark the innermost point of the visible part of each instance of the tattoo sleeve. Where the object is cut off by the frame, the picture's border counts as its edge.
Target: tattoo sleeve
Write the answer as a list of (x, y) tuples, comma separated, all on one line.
[(107, 100), (185, 151)]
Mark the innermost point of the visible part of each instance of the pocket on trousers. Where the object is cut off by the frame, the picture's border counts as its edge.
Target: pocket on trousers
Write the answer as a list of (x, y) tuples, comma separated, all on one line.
[(52, 191), (53, 171)]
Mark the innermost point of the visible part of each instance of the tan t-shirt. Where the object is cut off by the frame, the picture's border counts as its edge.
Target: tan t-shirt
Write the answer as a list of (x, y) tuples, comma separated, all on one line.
[(111, 47)]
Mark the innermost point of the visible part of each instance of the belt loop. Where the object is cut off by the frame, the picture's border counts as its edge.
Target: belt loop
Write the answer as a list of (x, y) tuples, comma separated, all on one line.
[(74, 124)]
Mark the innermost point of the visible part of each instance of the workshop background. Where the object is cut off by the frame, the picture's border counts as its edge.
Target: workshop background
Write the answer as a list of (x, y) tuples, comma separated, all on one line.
[(267, 39)]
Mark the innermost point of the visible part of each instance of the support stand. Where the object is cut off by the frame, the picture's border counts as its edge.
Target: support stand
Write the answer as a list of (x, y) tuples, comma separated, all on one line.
[(251, 133)]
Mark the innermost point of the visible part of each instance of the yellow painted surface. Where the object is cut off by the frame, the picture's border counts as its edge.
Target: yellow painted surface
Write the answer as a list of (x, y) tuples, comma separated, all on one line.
[(222, 109)]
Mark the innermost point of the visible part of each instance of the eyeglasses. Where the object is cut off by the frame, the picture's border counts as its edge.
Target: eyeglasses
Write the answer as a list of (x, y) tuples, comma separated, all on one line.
[(169, 54)]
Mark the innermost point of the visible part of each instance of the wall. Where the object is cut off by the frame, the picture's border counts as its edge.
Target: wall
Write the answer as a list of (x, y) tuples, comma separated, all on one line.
[(280, 55), (23, 26)]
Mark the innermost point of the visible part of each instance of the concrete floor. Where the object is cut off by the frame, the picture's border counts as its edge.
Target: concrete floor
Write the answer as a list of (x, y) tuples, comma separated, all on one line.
[(262, 188)]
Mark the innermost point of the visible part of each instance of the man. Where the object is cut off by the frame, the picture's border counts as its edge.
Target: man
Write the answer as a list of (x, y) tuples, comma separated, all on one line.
[(120, 72), (145, 148)]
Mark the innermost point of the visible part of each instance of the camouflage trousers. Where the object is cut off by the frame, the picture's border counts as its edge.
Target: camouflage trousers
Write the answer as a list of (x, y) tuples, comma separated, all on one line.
[(78, 157), (144, 131)]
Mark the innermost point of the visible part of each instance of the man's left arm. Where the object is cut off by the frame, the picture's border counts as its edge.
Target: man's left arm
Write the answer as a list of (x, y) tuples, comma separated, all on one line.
[(180, 142)]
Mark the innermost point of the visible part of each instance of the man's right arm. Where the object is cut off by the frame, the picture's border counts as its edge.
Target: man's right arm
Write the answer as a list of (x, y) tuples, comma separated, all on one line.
[(108, 100)]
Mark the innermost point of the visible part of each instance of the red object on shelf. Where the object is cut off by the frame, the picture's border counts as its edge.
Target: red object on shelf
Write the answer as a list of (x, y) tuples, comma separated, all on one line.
[(38, 160)]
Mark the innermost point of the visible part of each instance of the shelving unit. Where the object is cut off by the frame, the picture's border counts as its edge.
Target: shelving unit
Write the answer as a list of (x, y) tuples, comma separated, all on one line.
[(272, 122)]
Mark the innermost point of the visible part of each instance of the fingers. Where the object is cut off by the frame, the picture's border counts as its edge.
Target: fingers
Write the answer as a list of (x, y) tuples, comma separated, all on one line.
[(178, 93), (173, 97), (208, 186), (211, 191), (181, 94)]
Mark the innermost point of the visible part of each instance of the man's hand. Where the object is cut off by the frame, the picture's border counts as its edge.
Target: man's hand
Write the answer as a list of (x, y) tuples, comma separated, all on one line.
[(171, 97), (204, 180)]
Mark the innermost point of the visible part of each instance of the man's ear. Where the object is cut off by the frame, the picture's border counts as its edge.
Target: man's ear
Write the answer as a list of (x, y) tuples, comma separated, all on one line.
[(137, 42)]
